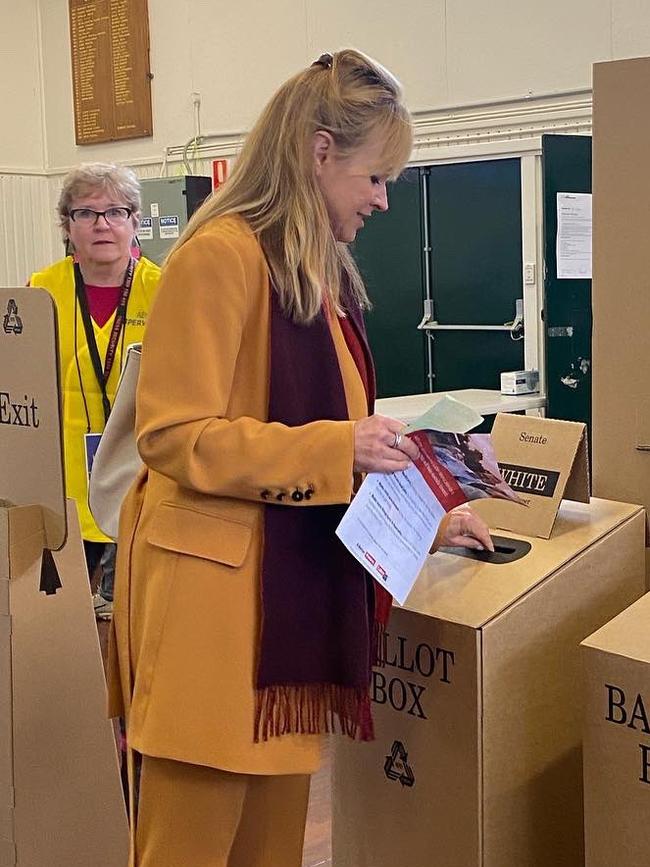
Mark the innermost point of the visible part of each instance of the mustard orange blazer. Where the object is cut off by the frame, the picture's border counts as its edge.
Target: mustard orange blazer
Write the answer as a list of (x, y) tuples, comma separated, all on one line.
[(187, 597)]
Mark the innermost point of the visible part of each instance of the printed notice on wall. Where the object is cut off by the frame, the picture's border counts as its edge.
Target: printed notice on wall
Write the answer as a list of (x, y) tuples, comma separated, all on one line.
[(145, 229), (168, 227), (573, 245), (111, 79)]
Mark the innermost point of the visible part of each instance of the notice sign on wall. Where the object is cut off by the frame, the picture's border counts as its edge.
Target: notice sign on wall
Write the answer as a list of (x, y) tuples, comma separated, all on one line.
[(111, 79)]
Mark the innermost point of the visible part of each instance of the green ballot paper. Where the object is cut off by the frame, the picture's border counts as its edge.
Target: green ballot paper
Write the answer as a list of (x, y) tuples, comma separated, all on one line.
[(449, 415)]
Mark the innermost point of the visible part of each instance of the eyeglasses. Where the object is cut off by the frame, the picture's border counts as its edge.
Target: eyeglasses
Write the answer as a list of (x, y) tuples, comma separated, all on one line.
[(88, 217)]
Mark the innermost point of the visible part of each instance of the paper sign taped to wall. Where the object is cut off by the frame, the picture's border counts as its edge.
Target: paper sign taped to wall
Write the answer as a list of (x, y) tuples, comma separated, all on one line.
[(573, 242)]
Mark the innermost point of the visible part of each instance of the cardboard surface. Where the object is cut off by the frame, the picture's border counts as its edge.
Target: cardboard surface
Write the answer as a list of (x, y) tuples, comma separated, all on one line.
[(542, 460), (628, 634), (620, 297), (426, 702), (459, 592), (616, 665), (31, 447), (532, 756), (61, 802), (497, 716)]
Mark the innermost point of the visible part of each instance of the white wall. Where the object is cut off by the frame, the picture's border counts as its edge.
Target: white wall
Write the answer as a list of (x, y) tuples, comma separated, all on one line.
[(630, 28), (448, 53), (25, 222), (21, 126)]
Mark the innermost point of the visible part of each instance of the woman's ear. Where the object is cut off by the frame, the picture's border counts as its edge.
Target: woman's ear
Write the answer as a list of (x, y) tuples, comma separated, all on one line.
[(323, 148)]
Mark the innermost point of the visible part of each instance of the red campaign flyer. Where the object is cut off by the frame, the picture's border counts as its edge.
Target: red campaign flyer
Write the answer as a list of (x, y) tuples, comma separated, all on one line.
[(442, 483), (461, 467)]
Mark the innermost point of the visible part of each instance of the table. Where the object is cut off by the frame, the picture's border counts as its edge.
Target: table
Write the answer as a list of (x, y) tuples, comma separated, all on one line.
[(485, 401)]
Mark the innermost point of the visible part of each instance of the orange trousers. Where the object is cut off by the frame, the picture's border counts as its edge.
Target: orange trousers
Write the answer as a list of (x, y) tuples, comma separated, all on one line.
[(193, 816)]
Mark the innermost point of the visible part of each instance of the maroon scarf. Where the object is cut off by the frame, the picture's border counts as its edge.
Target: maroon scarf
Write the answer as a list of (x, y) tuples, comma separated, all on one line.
[(318, 603)]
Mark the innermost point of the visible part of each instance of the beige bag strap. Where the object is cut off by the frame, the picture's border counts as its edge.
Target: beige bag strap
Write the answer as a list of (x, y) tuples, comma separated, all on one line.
[(117, 461)]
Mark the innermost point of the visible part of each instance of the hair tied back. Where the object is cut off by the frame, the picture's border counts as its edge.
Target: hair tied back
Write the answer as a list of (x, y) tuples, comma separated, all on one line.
[(325, 60)]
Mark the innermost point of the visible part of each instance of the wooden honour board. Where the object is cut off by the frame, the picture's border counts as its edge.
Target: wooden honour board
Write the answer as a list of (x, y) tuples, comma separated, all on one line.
[(111, 77)]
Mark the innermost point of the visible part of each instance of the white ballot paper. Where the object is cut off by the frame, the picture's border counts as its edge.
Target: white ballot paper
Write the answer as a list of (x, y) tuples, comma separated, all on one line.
[(393, 519)]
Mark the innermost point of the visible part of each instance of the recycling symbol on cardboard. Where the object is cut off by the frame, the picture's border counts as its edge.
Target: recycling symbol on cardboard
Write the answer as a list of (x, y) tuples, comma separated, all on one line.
[(396, 766), (11, 322)]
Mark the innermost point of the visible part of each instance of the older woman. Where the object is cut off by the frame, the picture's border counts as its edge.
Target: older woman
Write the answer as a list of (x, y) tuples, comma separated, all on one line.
[(103, 296), (243, 628)]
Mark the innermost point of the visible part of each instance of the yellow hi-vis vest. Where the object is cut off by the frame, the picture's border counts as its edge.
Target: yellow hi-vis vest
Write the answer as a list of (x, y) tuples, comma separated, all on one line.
[(82, 398)]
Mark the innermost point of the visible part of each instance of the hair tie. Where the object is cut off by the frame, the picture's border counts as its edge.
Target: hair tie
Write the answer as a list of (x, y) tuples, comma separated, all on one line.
[(325, 60)]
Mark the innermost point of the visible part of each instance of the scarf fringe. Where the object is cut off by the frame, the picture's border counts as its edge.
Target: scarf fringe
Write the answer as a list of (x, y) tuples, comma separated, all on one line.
[(383, 607), (312, 709), (378, 645)]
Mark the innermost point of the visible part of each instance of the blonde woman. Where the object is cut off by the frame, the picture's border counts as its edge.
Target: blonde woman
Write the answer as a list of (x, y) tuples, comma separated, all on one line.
[(243, 629)]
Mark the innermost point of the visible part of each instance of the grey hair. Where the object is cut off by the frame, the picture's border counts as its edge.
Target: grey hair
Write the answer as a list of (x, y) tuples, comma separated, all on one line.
[(93, 177)]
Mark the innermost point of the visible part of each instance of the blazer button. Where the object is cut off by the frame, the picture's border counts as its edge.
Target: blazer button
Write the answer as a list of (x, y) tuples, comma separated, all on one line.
[(280, 496), (297, 496), (265, 494), (309, 493)]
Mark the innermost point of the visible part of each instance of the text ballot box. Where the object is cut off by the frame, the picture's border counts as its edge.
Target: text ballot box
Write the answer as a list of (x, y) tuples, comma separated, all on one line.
[(616, 740), (477, 705)]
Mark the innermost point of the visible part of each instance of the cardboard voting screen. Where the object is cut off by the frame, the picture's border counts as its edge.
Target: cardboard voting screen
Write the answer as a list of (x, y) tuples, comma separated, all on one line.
[(31, 447), (62, 803), (544, 461)]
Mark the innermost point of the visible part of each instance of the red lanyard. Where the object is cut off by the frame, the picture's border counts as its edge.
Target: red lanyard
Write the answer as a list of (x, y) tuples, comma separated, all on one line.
[(102, 375)]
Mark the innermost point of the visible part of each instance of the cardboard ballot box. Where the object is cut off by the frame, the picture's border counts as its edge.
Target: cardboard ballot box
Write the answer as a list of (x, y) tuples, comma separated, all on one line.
[(616, 740), (476, 761), (477, 756)]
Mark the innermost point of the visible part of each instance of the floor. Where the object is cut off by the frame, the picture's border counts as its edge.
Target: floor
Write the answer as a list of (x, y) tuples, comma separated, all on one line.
[(318, 847)]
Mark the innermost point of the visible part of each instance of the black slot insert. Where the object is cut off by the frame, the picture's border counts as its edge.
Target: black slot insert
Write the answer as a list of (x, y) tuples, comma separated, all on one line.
[(505, 551)]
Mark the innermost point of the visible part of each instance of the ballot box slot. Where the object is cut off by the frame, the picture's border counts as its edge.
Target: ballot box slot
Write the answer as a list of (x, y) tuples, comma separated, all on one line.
[(505, 551)]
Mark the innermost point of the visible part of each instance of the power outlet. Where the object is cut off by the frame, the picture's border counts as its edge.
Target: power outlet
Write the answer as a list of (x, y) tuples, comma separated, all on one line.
[(530, 273)]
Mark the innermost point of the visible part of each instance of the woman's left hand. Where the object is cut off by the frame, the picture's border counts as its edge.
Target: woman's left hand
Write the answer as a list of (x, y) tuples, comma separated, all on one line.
[(463, 528)]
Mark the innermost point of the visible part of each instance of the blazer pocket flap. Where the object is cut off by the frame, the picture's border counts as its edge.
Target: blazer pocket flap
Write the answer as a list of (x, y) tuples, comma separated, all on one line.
[(199, 534)]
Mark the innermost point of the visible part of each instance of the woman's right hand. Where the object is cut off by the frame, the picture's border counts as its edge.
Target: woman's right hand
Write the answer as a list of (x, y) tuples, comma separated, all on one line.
[(374, 446)]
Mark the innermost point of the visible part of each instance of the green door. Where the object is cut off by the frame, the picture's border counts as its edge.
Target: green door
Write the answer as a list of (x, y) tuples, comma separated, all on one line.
[(452, 235), (474, 216), (389, 254), (566, 168)]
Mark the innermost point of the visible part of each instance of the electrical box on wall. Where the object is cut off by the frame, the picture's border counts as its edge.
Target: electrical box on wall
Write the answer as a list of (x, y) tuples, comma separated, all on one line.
[(167, 205)]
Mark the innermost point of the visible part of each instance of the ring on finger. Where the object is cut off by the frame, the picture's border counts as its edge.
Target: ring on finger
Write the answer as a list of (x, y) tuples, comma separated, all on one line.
[(397, 440)]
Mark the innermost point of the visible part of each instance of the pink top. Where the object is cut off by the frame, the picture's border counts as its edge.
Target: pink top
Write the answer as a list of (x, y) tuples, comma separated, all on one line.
[(102, 302)]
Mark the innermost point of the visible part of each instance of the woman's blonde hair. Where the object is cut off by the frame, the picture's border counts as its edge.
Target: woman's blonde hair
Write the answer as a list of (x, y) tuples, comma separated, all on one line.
[(273, 185)]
